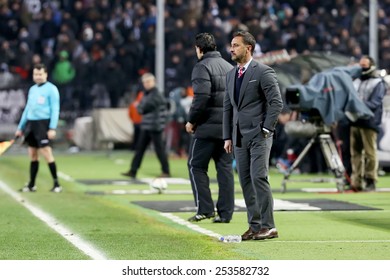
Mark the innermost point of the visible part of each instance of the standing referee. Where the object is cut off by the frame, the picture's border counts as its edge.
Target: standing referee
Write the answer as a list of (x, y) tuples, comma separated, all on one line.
[(38, 123)]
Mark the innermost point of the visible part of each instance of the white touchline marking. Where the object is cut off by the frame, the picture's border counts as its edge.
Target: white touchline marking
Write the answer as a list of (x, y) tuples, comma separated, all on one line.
[(65, 176), (65, 232), (199, 229)]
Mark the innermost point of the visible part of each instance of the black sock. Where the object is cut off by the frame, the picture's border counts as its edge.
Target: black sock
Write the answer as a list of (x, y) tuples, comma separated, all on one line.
[(34, 166), (53, 171)]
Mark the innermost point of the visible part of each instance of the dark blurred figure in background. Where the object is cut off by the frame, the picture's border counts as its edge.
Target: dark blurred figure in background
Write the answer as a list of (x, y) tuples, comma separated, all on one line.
[(153, 108), (63, 75)]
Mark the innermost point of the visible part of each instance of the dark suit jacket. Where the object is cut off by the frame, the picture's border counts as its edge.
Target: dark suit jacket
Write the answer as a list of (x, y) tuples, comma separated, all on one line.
[(259, 104)]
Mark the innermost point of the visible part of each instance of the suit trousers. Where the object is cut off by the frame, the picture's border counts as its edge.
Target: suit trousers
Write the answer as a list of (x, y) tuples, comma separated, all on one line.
[(200, 153), (144, 139), (364, 165), (252, 159)]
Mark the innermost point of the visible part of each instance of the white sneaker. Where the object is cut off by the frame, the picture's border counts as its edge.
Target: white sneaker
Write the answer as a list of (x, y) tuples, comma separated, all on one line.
[(56, 189), (26, 188)]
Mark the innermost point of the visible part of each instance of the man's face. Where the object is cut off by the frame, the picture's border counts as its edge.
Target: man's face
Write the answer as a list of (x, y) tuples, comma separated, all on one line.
[(239, 50), (364, 63), (199, 54), (39, 76), (148, 83)]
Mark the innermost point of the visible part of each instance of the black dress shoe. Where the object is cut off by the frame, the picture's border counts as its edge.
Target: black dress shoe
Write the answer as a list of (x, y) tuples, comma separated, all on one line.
[(221, 220), (370, 185), (370, 189), (129, 174), (200, 217)]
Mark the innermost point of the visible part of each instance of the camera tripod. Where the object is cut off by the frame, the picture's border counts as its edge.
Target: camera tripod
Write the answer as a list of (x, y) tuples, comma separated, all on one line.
[(331, 156)]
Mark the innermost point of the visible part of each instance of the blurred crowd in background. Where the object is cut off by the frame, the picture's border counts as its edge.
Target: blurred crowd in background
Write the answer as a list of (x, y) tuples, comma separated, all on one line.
[(96, 50)]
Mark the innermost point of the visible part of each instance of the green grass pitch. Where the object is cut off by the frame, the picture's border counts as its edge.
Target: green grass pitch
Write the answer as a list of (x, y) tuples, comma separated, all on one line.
[(126, 231)]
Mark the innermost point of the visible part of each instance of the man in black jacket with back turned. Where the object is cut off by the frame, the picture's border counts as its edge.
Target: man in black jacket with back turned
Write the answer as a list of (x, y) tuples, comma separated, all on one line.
[(205, 123)]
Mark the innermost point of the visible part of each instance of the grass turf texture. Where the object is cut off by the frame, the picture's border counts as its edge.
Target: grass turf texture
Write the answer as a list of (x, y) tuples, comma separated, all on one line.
[(123, 230)]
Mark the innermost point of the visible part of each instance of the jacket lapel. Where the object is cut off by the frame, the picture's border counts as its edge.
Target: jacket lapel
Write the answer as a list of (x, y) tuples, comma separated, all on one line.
[(247, 77)]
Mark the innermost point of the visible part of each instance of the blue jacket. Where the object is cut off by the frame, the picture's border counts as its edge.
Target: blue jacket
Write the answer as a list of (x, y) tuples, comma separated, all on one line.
[(43, 103)]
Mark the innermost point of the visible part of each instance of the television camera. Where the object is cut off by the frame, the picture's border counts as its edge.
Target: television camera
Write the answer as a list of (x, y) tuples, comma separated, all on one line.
[(327, 98), (311, 125)]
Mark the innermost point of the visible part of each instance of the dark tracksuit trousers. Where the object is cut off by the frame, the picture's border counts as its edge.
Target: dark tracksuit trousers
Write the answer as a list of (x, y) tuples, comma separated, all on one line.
[(145, 137), (200, 153)]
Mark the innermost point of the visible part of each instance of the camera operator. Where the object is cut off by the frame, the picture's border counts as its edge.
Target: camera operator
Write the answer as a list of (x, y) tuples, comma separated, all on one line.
[(364, 132)]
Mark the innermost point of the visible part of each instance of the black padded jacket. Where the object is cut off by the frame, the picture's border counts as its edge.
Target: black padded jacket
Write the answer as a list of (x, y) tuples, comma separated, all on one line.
[(153, 108), (208, 82)]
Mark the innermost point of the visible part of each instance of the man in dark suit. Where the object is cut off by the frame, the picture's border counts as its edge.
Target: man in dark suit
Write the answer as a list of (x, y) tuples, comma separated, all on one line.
[(251, 108)]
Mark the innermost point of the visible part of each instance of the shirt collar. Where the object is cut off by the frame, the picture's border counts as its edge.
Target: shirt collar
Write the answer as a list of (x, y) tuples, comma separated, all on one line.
[(246, 65), (39, 85)]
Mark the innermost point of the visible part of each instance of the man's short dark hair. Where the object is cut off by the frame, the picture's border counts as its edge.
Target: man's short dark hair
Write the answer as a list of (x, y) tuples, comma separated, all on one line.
[(40, 66), (247, 38), (205, 42)]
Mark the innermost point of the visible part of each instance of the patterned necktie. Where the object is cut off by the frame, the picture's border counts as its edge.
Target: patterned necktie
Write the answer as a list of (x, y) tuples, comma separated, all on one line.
[(240, 71)]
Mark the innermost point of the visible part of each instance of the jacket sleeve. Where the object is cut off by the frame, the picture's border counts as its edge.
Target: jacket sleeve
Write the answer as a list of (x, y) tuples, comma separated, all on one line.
[(201, 84), (270, 87), (54, 107), (150, 102), (376, 97)]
